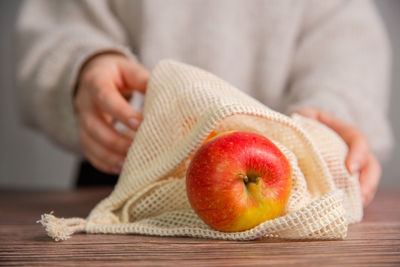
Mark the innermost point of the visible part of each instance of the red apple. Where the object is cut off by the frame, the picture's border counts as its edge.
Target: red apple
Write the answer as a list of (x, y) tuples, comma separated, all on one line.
[(238, 180)]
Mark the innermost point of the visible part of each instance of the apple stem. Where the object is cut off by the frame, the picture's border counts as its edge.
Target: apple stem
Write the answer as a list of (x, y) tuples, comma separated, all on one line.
[(244, 178), (249, 179)]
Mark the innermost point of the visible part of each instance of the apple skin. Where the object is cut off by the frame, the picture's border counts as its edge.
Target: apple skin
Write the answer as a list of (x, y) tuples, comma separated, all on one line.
[(237, 180)]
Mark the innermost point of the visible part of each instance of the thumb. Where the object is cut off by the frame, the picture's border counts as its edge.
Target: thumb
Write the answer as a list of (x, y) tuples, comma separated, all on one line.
[(110, 101), (135, 76)]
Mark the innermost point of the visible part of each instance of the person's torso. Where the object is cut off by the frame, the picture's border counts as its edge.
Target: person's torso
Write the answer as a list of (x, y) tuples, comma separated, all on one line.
[(250, 44)]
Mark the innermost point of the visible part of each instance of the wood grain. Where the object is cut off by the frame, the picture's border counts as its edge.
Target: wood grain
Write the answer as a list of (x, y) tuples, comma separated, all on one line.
[(374, 242)]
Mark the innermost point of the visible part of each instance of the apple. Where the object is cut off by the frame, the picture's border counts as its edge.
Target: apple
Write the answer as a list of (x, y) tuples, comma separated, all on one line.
[(237, 180)]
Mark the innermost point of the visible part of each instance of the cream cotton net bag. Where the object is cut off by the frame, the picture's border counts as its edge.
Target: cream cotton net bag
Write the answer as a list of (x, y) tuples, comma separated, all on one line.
[(183, 105)]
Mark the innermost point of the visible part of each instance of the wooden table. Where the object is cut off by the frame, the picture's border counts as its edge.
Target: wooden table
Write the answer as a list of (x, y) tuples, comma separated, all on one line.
[(375, 241)]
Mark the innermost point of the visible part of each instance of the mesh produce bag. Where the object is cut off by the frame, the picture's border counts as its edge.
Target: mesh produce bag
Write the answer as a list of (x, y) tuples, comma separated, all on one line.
[(183, 105)]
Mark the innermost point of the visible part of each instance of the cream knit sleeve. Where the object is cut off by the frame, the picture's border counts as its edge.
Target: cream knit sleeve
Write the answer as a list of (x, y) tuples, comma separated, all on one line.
[(54, 38), (342, 65)]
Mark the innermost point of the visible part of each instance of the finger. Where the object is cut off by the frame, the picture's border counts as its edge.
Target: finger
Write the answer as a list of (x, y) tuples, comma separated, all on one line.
[(358, 152), (369, 179), (344, 129), (311, 113), (110, 100), (101, 158), (356, 141), (326, 118), (104, 133), (135, 76)]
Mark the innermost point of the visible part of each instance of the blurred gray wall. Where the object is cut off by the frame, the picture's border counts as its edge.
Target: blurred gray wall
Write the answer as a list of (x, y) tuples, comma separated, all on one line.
[(28, 160), (390, 11)]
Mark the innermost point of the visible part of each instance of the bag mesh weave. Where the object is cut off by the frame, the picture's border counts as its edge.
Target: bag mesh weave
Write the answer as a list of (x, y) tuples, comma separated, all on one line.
[(183, 105)]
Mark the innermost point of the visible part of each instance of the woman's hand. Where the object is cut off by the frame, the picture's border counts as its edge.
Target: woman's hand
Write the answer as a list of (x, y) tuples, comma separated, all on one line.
[(360, 158), (104, 84)]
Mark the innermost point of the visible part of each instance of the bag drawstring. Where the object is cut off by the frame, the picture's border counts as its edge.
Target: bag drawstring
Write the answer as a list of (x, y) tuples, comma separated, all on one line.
[(61, 228)]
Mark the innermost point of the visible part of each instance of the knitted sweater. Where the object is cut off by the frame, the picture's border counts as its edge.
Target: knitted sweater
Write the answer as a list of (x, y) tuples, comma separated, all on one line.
[(333, 55)]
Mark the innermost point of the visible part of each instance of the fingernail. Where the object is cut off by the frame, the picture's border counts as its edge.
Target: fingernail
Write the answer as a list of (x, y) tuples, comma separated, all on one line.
[(134, 123)]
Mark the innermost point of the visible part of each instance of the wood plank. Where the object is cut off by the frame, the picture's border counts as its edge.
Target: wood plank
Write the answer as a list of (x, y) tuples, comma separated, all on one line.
[(375, 241)]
